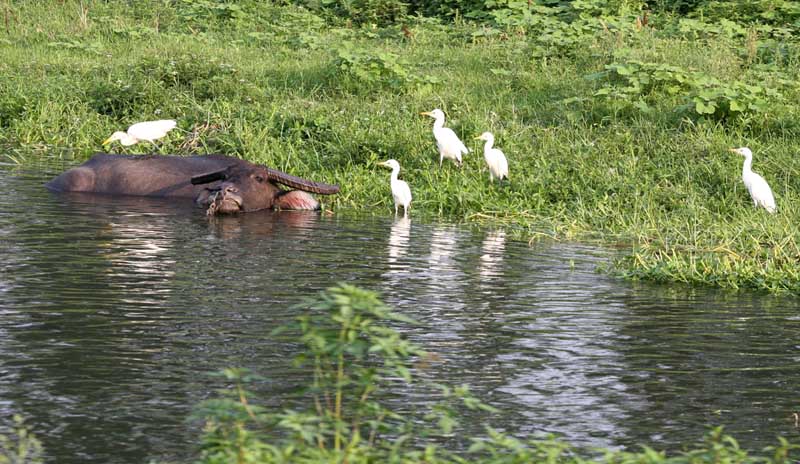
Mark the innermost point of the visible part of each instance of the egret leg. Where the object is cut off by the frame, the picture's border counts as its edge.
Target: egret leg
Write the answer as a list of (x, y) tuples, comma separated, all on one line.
[(156, 147), (395, 209), (441, 158)]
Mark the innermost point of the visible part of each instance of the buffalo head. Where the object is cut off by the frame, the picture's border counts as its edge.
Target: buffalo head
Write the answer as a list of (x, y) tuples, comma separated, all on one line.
[(243, 187)]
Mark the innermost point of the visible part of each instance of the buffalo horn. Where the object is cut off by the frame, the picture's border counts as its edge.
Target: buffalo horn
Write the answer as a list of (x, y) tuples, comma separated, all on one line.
[(302, 184), (210, 177)]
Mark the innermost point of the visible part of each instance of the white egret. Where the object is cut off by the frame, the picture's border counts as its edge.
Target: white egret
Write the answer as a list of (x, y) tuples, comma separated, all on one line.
[(498, 165), (400, 190), (149, 131), (448, 143), (756, 185)]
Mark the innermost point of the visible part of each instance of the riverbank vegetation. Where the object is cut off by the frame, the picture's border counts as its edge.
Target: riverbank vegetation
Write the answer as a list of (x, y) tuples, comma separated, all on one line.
[(615, 115)]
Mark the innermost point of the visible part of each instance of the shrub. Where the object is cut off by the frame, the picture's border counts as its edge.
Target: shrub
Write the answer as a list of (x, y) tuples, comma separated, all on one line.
[(640, 84)]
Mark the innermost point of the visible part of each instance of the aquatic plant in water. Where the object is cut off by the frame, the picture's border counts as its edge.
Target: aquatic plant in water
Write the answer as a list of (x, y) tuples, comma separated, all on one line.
[(353, 356)]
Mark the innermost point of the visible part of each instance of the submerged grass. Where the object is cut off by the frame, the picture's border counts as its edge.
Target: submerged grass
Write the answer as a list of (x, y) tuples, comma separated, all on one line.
[(277, 85)]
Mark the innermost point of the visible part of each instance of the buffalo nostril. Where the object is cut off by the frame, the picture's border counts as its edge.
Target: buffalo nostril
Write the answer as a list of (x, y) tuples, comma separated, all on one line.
[(231, 189)]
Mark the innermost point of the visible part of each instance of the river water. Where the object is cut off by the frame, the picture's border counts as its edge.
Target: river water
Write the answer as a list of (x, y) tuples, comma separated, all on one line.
[(114, 310)]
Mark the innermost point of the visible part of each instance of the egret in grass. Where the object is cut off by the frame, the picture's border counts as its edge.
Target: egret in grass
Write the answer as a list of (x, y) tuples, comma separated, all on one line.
[(400, 190), (756, 185), (448, 143), (498, 165), (149, 131)]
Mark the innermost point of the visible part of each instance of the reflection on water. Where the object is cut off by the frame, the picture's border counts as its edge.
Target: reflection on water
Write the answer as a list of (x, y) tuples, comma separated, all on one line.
[(398, 238), (113, 309), (492, 250)]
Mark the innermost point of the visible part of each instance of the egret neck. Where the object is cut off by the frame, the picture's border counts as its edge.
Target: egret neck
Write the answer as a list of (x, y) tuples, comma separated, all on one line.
[(438, 122), (748, 163), (489, 139)]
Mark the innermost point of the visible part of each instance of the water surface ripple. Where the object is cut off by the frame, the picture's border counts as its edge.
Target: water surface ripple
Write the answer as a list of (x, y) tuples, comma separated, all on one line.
[(113, 310)]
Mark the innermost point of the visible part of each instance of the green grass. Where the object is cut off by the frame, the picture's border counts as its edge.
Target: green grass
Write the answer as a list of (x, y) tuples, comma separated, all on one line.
[(277, 85)]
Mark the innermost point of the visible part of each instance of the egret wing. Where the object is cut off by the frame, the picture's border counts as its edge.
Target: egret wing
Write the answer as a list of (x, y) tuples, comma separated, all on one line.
[(761, 193), (502, 165), (448, 140), (150, 130), (401, 193)]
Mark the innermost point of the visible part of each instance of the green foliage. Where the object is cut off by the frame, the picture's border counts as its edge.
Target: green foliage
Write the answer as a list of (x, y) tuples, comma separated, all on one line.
[(12, 104), (644, 85), (381, 68), (206, 78), (352, 353), (116, 98), (551, 34), (772, 12), (20, 446), (204, 12), (377, 12)]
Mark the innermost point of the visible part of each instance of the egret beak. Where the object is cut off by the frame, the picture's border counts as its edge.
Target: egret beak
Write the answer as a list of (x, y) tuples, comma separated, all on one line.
[(477, 137), (426, 113), (107, 141), (733, 150)]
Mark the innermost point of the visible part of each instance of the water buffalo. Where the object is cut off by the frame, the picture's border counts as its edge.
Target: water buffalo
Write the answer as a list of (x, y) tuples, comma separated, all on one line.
[(221, 184)]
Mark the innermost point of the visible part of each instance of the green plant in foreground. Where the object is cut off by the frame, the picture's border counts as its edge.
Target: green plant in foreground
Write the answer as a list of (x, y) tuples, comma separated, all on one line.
[(20, 446), (350, 353), (353, 357)]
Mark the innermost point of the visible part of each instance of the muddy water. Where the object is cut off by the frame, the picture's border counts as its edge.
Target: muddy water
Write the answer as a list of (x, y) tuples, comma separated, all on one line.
[(113, 310)]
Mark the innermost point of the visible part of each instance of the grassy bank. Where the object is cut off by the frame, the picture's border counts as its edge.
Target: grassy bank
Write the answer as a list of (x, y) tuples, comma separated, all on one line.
[(612, 130)]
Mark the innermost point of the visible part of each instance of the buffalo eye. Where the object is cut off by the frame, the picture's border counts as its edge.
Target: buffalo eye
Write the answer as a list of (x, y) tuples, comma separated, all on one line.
[(259, 179)]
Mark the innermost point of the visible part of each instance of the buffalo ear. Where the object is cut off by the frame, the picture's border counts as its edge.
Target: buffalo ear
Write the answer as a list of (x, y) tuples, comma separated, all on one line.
[(210, 177)]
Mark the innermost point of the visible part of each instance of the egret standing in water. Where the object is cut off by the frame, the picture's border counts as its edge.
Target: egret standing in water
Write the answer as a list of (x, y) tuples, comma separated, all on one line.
[(756, 185), (149, 131), (498, 165), (400, 191), (448, 143)]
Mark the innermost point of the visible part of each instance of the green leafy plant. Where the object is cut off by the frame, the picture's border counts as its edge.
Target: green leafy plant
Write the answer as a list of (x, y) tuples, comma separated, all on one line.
[(379, 12), (715, 99), (20, 446), (205, 11), (640, 84), (352, 354), (382, 67), (12, 105), (116, 97)]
